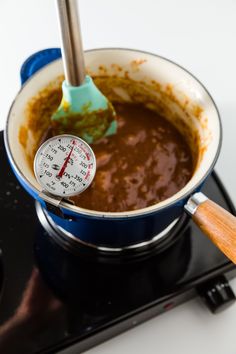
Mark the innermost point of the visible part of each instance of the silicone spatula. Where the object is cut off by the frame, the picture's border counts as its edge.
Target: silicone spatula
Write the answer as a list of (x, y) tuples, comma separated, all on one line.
[(84, 111)]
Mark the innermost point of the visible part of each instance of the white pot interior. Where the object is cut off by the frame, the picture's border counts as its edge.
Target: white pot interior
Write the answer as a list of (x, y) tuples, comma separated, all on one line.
[(198, 109)]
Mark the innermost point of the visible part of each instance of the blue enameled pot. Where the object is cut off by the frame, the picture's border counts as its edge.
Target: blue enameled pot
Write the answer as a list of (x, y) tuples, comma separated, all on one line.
[(117, 230)]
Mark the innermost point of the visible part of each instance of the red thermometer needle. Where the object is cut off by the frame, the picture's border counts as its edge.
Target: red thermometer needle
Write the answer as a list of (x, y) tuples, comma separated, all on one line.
[(60, 174)]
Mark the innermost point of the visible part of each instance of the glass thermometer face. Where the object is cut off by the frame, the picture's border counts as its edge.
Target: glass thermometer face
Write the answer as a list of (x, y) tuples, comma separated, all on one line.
[(64, 165)]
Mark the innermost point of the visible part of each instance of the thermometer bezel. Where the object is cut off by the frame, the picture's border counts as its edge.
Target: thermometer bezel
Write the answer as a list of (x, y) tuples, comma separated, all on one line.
[(37, 166)]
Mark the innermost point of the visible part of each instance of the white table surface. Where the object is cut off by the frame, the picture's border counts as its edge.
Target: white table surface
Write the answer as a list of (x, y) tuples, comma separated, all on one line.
[(199, 35)]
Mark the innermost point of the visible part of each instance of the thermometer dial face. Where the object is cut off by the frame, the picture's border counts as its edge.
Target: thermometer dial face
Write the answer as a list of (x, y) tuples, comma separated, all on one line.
[(64, 165)]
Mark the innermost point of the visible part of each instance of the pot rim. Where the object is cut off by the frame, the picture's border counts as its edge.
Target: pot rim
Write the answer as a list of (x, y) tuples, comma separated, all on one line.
[(134, 213)]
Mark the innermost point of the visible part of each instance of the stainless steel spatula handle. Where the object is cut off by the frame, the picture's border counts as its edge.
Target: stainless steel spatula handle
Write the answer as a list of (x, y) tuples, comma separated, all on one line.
[(71, 41)]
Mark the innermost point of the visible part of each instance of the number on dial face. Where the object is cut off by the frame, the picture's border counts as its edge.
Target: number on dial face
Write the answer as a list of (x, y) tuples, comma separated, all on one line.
[(64, 165)]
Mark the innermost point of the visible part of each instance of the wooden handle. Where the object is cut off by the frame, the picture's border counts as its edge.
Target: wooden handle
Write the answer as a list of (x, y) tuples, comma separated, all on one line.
[(219, 225)]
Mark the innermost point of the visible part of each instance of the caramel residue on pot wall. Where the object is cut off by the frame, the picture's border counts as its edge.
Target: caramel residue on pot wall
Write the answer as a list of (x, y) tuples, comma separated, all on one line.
[(135, 64), (23, 136), (116, 68), (38, 114), (102, 70)]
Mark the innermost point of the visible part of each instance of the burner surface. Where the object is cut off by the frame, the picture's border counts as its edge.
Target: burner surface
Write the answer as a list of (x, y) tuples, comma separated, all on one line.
[(1, 274)]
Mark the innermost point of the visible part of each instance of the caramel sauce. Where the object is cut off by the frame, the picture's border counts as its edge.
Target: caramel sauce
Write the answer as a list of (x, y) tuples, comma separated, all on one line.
[(147, 161)]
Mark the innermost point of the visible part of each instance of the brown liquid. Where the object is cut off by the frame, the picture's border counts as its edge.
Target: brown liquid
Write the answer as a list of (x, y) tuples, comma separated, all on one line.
[(146, 162)]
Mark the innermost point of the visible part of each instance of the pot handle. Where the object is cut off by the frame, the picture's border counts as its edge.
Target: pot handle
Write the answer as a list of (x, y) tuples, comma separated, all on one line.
[(215, 222), (37, 61)]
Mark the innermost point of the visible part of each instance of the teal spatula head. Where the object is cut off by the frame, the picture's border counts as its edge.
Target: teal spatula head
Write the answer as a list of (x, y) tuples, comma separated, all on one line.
[(84, 111)]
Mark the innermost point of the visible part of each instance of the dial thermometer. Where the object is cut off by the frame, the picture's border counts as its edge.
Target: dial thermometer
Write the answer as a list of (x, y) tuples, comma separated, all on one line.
[(64, 165)]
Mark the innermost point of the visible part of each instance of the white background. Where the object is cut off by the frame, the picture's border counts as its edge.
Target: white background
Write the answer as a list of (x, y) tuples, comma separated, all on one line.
[(199, 35)]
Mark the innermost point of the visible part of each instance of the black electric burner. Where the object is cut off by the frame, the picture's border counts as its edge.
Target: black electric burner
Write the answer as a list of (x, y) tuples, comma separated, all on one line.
[(57, 301)]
